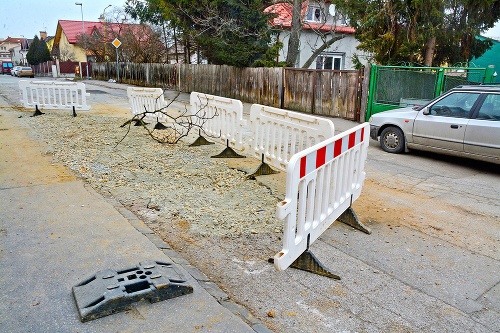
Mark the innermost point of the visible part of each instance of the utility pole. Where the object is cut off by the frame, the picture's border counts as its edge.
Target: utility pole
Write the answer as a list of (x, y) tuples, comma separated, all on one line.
[(84, 39)]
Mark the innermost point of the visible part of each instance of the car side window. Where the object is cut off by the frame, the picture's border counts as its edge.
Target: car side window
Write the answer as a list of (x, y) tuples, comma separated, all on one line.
[(490, 110), (457, 105)]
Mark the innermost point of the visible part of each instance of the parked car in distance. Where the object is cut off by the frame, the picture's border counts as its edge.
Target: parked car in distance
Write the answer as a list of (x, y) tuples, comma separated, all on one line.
[(25, 71), (6, 66), (464, 121), (14, 70)]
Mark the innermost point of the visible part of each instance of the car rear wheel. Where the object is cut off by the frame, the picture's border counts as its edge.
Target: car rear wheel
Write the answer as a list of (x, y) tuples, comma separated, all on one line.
[(392, 140)]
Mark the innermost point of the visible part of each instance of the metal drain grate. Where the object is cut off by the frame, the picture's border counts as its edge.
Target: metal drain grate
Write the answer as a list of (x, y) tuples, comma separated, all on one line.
[(109, 291)]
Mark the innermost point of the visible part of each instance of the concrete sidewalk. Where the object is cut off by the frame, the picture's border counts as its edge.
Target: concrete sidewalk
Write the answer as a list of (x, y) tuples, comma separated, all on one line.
[(55, 232)]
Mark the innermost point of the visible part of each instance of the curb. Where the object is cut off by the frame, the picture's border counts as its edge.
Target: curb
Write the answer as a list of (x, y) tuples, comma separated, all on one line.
[(213, 289)]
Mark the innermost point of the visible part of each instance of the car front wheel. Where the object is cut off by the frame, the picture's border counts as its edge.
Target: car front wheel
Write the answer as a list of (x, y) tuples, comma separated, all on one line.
[(392, 140)]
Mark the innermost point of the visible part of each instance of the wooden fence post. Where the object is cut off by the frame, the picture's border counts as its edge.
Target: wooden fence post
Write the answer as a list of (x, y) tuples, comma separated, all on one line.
[(364, 94)]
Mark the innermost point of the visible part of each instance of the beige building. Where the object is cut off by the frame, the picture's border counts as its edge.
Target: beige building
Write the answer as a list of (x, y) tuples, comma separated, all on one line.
[(7, 45)]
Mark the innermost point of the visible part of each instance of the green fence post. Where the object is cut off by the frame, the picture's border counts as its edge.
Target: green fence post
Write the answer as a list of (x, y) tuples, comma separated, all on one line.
[(488, 74), (440, 83), (371, 91)]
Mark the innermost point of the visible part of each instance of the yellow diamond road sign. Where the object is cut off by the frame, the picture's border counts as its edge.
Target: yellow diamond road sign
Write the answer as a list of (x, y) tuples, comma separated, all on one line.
[(116, 43)]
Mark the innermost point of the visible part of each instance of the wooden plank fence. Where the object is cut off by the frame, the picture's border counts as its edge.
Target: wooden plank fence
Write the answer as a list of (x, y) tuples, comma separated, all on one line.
[(322, 92)]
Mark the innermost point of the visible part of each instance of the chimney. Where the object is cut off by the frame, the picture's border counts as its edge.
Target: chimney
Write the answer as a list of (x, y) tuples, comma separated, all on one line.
[(43, 35)]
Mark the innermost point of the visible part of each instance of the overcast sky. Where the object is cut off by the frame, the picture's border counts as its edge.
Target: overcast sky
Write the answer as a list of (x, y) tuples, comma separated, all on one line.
[(28, 17)]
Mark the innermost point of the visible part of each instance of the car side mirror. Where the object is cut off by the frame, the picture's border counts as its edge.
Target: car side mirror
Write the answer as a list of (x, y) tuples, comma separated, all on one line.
[(426, 111)]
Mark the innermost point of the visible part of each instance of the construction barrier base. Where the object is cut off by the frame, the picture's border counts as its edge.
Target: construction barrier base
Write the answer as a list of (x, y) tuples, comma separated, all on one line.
[(309, 263), (349, 217), (262, 170), (228, 153), (140, 122), (37, 112), (201, 141), (159, 126), (110, 291)]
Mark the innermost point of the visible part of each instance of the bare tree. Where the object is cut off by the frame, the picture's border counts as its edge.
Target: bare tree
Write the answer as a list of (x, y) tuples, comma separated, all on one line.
[(175, 128), (140, 43), (323, 25)]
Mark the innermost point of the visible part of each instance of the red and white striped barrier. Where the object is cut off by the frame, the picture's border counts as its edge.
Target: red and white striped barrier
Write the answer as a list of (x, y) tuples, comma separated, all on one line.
[(321, 183), (148, 100), (279, 134), (224, 118), (54, 95)]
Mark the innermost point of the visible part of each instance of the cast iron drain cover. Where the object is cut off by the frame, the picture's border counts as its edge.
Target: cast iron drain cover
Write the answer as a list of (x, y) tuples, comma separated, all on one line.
[(109, 291)]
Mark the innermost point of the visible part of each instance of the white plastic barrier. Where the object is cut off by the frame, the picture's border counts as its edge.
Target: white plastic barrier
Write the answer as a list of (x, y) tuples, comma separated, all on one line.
[(279, 134), (321, 183), (148, 100), (225, 118), (54, 95)]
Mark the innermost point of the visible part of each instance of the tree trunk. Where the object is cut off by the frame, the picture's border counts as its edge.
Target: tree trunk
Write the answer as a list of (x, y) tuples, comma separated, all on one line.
[(293, 41), (175, 45), (321, 49), (430, 48), (165, 39)]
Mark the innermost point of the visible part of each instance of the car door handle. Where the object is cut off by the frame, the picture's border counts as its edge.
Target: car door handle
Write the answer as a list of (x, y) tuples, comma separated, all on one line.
[(454, 126)]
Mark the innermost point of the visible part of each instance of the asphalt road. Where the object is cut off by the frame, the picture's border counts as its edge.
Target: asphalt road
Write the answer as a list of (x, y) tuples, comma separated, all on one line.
[(431, 263)]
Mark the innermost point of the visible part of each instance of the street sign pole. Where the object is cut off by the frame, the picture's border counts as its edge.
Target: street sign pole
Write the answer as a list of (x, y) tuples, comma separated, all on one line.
[(117, 66), (116, 43)]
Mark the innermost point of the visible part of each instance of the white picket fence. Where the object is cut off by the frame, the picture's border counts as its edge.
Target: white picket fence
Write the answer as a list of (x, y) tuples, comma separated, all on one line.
[(224, 118), (53, 95), (321, 183), (279, 134), (148, 101)]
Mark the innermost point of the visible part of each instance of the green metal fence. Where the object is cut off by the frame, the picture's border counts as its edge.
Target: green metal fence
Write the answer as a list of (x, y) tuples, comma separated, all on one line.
[(393, 87)]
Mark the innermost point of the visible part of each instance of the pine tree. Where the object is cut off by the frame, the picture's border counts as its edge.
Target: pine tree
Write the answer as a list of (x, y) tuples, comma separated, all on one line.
[(31, 55), (38, 52)]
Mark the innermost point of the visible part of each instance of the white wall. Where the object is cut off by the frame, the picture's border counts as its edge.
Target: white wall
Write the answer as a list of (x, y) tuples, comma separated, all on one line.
[(18, 56), (310, 41)]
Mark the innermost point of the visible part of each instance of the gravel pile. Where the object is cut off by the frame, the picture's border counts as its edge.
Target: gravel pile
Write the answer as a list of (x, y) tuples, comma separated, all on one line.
[(160, 182)]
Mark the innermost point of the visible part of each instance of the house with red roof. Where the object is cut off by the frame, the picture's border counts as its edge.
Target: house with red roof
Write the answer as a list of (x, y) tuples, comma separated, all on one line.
[(7, 45), (318, 25), (66, 41), (65, 45)]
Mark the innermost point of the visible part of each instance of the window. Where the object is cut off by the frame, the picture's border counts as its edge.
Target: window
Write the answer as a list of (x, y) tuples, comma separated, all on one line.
[(490, 110), (456, 105), (329, 62), (4, 48), (314, 14)]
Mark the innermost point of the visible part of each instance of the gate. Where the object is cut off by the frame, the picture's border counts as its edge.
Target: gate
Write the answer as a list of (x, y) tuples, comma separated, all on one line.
[(393, 87)]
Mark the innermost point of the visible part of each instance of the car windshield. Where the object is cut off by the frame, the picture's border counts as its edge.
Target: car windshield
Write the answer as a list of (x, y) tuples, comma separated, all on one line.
[(420, 107), (26, 68)]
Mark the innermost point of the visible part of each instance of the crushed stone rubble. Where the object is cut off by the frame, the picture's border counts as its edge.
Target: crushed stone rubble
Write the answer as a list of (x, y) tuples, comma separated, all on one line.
[(163, 182)]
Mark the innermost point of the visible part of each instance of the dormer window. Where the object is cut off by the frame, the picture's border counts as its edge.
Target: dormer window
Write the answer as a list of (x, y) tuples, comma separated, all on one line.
[(314, 14)]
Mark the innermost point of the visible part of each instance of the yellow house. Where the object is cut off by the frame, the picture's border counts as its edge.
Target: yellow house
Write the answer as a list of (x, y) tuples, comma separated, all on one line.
[(64, 45)]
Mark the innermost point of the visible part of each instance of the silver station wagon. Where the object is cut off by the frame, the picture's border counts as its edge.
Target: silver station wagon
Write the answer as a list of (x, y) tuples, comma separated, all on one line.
[(464, 121)]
